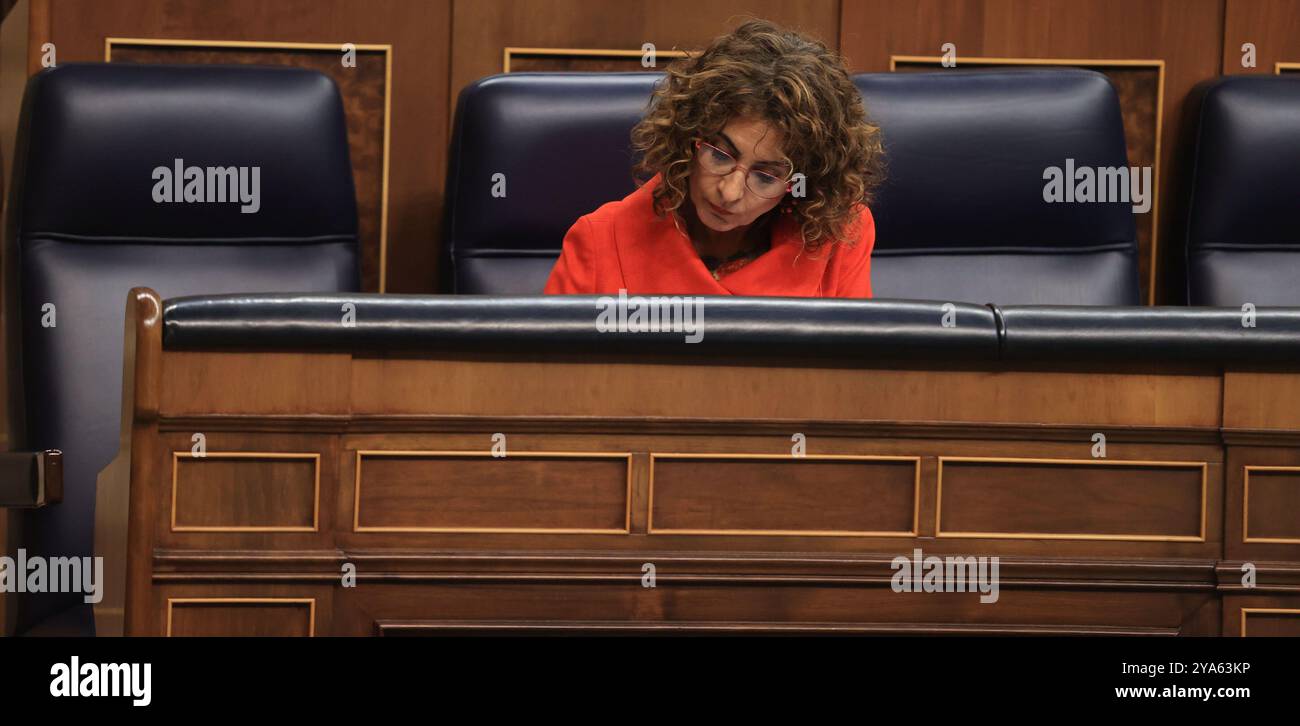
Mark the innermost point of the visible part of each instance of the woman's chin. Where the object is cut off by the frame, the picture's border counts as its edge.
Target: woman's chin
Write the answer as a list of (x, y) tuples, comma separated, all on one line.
[(716, 222)]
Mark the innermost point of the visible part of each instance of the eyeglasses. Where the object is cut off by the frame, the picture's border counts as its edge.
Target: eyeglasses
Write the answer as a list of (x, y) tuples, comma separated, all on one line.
[(716, 161)]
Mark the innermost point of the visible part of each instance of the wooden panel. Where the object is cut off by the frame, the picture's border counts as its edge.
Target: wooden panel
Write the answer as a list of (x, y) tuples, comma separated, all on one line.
[(1272, 504), (1262, 506), (1270, 622), (268, 383), (241, 617), (1273, 26), (484, 28), (719, 389), (245, 492), (443, 628), (1073, 499), (449, 491), (1185, 34), (720, 439), (365, 93), (545, 536), (587, 60), (420, 35), (773, 495), (1261, 400), (753, 604)]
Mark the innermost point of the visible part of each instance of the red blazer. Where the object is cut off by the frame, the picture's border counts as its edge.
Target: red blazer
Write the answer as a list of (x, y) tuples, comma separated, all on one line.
[(624, 246)]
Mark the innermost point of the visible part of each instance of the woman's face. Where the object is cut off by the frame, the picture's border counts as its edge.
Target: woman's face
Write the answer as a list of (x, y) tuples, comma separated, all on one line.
[(724, 203)]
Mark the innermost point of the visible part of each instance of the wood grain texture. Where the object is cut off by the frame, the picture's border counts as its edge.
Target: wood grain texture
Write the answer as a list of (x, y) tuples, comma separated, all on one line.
[(1260, 399), (1272, 504), (738, 605), (1261, 520), (1273, 26), (725, 389), (248, 491), (261, 610), (557, 536), (278, 505), (240, 617), (1078, 499), (1261, 616), (483, 29), (462, 492), (716, 494)]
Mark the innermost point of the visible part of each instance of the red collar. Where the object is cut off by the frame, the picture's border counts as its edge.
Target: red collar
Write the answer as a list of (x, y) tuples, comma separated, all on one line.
[(655, 254)]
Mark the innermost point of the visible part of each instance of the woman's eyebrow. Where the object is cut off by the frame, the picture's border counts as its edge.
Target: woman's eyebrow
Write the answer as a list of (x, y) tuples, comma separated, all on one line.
[(736, 149)]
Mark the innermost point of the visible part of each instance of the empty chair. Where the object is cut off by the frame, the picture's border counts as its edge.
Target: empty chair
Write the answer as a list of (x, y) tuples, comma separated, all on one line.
[(530, 154), (1243, 233), (962, 214), (199, 179)]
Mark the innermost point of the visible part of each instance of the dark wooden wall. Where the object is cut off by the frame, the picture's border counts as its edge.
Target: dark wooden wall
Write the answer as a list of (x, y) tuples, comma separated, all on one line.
[(438, 46), (1272, 25)]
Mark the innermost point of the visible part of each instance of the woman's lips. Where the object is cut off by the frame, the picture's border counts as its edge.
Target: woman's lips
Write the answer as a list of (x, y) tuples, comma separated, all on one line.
[(719, 210)]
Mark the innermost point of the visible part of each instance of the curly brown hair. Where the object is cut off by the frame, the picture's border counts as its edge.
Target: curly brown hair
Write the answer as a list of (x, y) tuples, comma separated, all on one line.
[(797, 85)]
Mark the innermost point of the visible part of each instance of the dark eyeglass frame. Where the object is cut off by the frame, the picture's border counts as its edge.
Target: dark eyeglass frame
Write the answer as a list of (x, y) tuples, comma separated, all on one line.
[(785, 189)]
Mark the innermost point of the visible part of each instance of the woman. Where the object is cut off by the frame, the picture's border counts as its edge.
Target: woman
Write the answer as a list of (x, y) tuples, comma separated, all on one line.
[(761, 163)]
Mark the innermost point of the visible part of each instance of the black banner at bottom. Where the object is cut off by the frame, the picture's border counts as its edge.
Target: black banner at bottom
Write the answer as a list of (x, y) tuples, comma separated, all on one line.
[(232, 676)]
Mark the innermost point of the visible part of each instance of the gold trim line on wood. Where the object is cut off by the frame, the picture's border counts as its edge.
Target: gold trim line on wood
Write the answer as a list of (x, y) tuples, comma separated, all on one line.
[(1157, 63), (1280, 66), (1001, 61), (1272, 611), (916, 496), (315, 509), (627, 492), (385, 48), (309, 601), (509, 51), (938, 501), (1245, 505)]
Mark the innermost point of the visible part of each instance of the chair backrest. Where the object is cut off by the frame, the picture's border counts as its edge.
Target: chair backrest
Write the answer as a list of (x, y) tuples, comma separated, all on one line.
[(530, 154), (1243, 230), (264, 202), (962, 214)]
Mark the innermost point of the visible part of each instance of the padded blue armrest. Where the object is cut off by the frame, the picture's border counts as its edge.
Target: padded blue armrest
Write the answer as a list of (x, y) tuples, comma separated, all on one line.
[(868, 329), (30, 479)]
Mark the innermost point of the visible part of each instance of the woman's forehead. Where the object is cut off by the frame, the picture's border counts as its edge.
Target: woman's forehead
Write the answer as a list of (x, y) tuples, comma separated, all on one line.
[(755, 138)]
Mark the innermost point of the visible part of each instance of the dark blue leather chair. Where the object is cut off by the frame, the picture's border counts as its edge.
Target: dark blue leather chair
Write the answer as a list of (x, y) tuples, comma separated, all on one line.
[(1243, 231), (561, 140), (84, 228), (961, 214)]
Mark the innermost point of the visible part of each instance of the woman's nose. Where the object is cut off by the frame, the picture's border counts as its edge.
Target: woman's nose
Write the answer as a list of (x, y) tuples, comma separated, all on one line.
[(733, 186)]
